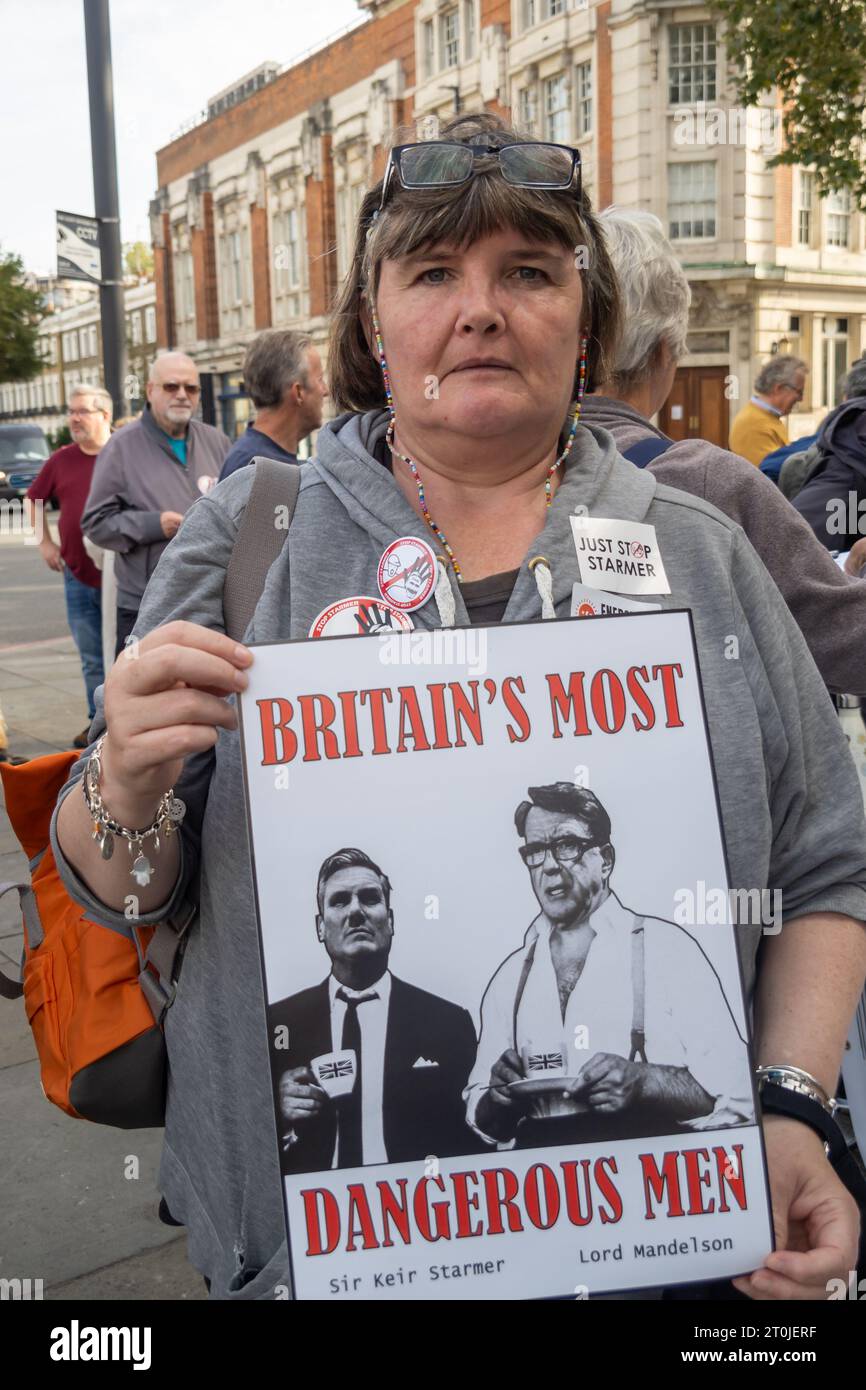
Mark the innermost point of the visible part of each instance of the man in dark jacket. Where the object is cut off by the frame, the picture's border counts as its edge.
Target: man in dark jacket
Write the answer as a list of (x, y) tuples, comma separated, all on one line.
[(366, 1068), (148, 476), (833, 500)]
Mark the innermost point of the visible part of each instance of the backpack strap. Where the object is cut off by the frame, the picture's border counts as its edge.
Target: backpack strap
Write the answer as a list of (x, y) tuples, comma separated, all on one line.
[(645, 450), (259, 540), (9, 988), (638, 993), (258, 543)]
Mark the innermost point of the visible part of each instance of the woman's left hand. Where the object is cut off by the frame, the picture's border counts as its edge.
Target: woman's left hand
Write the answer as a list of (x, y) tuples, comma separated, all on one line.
[(816, 1219)]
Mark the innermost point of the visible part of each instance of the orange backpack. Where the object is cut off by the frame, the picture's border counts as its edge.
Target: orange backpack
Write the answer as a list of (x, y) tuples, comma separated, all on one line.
[(96, 997), (101, 1050)]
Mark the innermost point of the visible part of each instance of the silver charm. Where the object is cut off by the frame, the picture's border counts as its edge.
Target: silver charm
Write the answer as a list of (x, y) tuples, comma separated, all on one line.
[(176, 808), (142, 870), (106, 844)]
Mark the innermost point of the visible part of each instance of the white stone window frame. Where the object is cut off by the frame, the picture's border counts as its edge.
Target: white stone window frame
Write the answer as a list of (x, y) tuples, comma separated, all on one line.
[(682, 169), (135, 328), (150, 323), (449, 38), (708, 69), (805, 209), (234, 267), (550, 115), (533, 12), (183, 277), (288, 295), (584, 98), (839, 210), (528, 109), (350, 191)]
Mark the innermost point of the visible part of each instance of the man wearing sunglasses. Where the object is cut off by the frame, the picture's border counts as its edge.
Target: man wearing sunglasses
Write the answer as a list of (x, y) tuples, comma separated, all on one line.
[(605, 1024), (148, 476)]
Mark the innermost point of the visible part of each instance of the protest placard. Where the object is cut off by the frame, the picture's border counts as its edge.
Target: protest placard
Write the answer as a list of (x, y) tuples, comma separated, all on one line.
[(508, 1040)]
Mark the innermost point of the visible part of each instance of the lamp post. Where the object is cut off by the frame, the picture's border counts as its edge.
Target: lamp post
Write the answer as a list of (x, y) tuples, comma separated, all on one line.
[(97, 33)]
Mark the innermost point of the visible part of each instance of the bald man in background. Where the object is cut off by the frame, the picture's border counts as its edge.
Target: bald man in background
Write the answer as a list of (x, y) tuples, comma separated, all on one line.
[(148, 476)]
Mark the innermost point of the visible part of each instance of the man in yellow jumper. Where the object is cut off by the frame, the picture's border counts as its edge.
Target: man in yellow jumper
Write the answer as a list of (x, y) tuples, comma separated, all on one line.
[(758, 429)]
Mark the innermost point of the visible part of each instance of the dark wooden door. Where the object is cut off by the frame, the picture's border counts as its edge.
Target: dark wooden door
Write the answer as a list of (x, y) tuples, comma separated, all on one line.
[(697, 407)]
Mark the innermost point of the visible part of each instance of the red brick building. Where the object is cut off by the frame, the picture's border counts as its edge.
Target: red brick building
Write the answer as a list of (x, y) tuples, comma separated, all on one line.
[(253, 219)]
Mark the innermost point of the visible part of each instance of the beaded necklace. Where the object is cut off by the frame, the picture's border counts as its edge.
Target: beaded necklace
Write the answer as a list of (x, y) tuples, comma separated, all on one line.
[(413, 467)]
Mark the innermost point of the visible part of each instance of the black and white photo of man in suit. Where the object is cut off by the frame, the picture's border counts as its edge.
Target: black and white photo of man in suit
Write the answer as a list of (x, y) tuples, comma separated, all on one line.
[(414, 1050)]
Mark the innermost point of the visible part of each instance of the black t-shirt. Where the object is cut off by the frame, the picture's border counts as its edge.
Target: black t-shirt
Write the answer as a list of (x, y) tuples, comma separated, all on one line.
[(486, 599)]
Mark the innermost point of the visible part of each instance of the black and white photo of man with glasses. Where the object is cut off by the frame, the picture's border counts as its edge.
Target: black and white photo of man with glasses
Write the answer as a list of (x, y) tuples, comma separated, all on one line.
[(604, 1023)]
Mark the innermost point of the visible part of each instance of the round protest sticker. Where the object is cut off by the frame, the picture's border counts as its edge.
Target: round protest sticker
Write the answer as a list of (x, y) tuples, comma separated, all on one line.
[(407, 573), (360, 617), (586, 610)]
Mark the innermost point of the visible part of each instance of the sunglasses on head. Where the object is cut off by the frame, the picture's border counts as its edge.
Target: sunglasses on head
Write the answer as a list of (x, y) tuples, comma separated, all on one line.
[(447, 163), (172, 387)]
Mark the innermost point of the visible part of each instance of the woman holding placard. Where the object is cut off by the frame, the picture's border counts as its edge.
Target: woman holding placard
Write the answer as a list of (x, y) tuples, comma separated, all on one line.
[(479, 307)]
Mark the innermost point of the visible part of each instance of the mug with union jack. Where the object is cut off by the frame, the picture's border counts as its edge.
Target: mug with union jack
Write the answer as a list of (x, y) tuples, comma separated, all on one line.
[(335, 1072)]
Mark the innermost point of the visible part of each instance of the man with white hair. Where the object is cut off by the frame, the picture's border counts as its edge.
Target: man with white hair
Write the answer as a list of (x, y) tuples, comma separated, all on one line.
[(66, 476), (147, 478), (656, 298), (757, 429)]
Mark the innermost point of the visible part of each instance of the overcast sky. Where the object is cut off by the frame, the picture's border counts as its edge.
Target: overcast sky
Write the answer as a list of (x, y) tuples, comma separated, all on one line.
[(169, 56)]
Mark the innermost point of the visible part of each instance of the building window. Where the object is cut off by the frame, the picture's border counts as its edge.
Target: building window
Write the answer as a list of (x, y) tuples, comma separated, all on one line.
[(692, 200), (691, 63), (834, 358), (94, 341), (534, 11), (135, 327), (233, 278), (287, 264), (839, 218), (583, 80), (232, 268), (349, 199), (468, 29), (557, 117), (150, 323), (804, 208), (428, 41), (528, 109), (449, 39), (184, 291)]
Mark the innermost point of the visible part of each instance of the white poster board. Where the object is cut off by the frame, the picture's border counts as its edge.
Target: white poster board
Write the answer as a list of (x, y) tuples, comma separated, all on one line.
[(507, 1038)]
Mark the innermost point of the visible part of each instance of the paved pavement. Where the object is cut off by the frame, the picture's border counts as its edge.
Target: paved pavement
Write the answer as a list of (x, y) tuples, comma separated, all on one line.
[(78, 1202)]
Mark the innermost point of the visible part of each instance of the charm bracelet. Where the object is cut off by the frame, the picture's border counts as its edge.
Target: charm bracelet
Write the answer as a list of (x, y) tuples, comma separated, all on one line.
[(169, 814)]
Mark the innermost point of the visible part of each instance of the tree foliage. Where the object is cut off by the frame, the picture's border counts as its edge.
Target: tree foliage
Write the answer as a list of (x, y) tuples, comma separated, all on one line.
[(138, 259), (21, 312), (814, 53)]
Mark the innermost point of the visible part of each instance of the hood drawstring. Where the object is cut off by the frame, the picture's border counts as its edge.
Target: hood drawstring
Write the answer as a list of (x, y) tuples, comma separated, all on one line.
[(540, 567), (444, 594)]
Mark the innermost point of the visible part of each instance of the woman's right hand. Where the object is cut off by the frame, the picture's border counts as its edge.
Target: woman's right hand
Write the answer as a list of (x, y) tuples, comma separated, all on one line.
[(165, 700)]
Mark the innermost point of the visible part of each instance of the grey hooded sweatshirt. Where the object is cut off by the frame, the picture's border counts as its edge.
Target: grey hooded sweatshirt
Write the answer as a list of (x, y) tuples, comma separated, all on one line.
[(137, 477), (790, 800), (827, 604)]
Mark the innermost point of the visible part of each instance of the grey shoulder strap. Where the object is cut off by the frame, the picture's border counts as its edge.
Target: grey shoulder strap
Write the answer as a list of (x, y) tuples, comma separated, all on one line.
[(259, 540)]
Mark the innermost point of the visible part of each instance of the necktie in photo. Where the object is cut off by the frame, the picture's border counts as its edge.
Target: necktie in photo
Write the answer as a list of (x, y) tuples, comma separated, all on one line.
[(350, 1147)]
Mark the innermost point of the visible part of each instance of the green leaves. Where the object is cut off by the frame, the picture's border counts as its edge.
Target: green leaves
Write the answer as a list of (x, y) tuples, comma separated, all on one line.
[(815, 56), (21, 312)]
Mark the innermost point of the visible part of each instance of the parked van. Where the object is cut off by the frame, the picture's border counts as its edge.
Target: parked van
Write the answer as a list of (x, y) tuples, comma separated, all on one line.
[(23, 450)]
